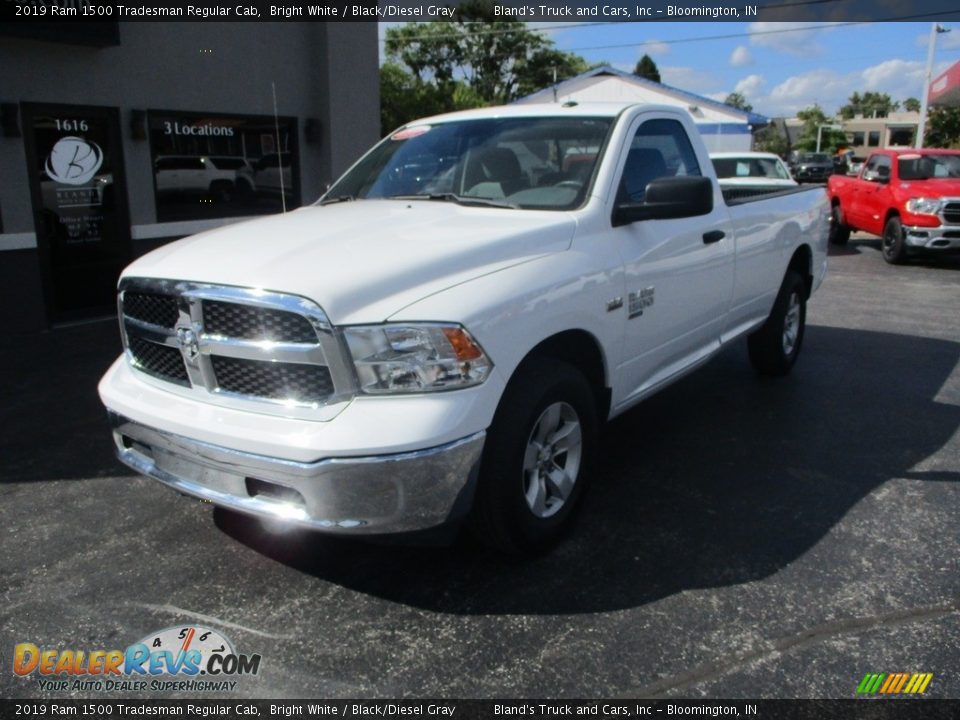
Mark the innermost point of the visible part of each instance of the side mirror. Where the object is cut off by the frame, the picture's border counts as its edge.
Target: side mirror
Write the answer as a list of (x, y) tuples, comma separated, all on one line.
[(667, 198), (880, 175)]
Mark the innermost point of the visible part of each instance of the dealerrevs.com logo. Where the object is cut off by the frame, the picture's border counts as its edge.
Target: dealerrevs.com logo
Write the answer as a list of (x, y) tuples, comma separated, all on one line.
[(180, 659)]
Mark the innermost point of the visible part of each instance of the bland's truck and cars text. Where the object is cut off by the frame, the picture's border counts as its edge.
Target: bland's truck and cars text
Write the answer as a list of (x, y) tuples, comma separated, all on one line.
[(439, 339)]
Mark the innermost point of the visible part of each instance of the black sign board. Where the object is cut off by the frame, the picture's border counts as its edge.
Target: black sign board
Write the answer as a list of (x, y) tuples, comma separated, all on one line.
[(80, 205), (212, 165)]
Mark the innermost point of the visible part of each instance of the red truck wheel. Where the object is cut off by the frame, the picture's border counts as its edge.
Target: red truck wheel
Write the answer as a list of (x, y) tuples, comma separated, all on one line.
[(894, 247), (839, 231)]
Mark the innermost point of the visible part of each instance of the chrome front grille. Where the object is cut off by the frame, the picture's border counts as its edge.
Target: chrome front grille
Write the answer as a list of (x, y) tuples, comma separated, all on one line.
[(234, 346), (161, 361), (256, 323), (951, 213), (277, 381), (150, 308)]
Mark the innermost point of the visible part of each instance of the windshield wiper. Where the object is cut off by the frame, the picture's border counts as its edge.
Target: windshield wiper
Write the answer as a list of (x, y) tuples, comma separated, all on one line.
[(337, 199), (459, 199)]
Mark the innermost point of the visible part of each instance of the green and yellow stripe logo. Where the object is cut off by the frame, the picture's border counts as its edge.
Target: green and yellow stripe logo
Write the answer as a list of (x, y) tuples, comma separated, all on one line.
[(894, 683)]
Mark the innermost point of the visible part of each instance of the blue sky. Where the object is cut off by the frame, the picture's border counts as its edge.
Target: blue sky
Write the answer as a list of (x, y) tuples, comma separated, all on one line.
[(778, 72)]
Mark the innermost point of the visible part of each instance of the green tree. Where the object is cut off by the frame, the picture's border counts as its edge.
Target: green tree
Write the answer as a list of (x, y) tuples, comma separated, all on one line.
[(499, 60), (911, 104), (943, 128), (813, 118), (647, 68), (870, 104), (405, 97), (770, 139), (737, 100)]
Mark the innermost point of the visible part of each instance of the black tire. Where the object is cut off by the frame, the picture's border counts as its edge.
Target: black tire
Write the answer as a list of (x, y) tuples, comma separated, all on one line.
[(244, 189), (892, 243), (502, 517), (222, 192), (770, 351), (839, 231)]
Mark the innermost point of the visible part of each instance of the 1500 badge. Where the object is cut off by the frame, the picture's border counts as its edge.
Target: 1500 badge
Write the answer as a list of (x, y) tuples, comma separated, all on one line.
[(639, 301)]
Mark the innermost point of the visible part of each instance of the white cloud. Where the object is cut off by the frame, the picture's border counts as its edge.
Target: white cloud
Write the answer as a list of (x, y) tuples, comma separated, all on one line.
[(741, 56), (794, 38), (945, 41), (892, 76), (831, 89), (653, 48), (750, 87)]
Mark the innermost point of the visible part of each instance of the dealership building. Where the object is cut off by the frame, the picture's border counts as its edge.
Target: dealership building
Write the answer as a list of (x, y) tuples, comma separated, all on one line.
[(116, 138)]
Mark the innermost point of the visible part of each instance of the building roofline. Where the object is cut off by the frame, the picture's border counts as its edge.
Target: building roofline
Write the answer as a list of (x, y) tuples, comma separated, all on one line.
[(752, 118)]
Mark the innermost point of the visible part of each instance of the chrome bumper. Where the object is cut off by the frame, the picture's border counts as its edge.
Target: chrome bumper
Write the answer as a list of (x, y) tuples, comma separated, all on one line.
[(399, 493), (933, 238)]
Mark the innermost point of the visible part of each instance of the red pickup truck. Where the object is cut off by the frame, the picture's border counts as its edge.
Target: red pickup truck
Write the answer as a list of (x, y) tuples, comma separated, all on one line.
[(910, 198)]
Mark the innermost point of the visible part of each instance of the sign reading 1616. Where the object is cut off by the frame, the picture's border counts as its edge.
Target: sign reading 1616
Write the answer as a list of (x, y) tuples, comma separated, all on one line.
[(72, 125)]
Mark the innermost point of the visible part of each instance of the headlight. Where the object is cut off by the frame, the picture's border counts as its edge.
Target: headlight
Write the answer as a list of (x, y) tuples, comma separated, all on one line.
[(923, 206), (416, 358)]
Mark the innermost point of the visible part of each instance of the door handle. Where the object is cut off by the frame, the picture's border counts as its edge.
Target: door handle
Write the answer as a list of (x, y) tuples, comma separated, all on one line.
[(713, 236)]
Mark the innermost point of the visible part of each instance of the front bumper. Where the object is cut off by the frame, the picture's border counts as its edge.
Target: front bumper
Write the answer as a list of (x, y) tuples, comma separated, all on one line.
[(812, 175), (381, 494), (932, 238)]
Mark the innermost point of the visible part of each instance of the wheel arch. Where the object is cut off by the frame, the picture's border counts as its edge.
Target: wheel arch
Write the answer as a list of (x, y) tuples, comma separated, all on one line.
[(581, 349), (802, 263)]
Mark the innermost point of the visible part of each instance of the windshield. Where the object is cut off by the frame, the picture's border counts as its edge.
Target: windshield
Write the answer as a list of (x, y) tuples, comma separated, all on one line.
[(540, 162), (815, 158), (738, 167), (929, 167)]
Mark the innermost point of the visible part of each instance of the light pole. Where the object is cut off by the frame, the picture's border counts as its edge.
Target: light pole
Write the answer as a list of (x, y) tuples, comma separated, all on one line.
[(820, 130), (935, 29)]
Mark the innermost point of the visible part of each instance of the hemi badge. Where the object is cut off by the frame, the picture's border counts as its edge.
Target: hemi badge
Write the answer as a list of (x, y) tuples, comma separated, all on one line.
[(615, 304)]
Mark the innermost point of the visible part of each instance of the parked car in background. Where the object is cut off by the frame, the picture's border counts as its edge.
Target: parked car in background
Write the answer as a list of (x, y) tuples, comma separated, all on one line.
[(223, 178), (910, 198), (273, 173), (751, 170), (811, 167)]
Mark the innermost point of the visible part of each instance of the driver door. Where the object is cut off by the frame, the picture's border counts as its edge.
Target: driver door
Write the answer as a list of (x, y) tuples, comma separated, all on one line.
[(679, 273)]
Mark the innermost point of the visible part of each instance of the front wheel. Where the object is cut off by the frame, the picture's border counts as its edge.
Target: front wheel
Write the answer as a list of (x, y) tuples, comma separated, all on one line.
[(839, 231), (537, 458), (775, 346), (894, 247)]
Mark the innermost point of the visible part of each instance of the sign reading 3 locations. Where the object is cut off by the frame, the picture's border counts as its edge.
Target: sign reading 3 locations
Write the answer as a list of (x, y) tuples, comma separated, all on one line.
[(210, 165)]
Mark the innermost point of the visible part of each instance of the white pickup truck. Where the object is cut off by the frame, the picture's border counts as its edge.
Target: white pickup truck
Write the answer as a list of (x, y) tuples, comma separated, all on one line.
[(442, 335)]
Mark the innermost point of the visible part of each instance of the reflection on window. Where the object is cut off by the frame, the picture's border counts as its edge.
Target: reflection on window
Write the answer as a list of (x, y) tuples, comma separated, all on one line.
[(534, 162), (211, 166)]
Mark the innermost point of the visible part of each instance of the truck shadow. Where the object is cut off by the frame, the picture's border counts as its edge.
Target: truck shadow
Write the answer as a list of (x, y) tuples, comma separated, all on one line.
[(54, 425), (932, 259), (722, 479)]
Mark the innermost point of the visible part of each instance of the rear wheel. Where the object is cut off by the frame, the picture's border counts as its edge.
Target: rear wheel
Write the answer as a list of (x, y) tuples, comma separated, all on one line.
[(222, 192), (775, 346), (839, 231), (894, 247), (537, 458)]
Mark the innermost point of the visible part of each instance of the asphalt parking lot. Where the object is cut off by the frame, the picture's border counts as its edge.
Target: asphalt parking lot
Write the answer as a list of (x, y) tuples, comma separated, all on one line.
[(744, 538)]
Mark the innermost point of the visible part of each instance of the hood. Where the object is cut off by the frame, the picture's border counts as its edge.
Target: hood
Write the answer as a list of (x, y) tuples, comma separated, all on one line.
[(930, 188), (365, 260)]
